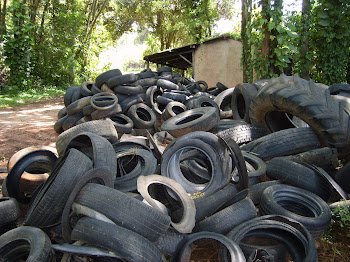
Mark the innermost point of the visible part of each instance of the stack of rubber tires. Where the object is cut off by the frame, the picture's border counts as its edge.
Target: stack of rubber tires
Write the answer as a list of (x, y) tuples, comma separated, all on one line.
[(149, 165)]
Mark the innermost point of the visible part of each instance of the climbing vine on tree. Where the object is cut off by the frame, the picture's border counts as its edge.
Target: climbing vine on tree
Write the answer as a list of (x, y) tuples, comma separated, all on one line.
[(314, 43), (330, 39), (18, 46)]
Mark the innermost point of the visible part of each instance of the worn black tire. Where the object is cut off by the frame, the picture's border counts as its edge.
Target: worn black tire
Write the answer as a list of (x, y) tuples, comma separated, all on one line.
[(342, 177), (87, 110), (102, 78), (183, 249), (9, 210), (104, 101), (47, 206), (129, 90), (223, 101), (337, 88), (298, 175), (255, 191), (126, 156), (62, 113), (42, 160), (142, 116), (168, 242), (4, 188), (215, 152), (161, 100), (85, 88), (83, 120), (124, 210), (113, 237), (207, 205), (325, 157), (164, 69), (122, 123), (305, 100), (221, 86), (100, 114), (175, 96), (121, 80), (58, 125), (128, 102), (295, 237), (97, 175), (224, 124), (151, 95), (95, 90), (71, 120), (97, 148), (26, 243), (242, 96), (257, 165), (76, 95), (103, 128), (78, 105), (284, 142), (198, 119), (146, 82), (201, 101), (298, 204), (146, 73), (226, 219), (167, 85), (243, 134), (68, 95), (173, 109)]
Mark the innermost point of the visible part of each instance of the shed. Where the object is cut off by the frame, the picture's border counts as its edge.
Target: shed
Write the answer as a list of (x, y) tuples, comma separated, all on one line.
[(214, 60)]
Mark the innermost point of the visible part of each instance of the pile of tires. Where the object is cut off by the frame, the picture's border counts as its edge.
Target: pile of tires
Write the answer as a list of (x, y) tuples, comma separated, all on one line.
[(254, 168)]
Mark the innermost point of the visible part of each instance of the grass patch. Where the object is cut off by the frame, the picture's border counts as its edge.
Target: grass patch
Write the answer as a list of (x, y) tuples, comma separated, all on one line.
[(11, 98)]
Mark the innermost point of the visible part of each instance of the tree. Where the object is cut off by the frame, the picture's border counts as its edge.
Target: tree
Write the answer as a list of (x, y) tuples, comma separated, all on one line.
[(266, 42), (304, 39), (246, 41), (330, 40), (3, 12)]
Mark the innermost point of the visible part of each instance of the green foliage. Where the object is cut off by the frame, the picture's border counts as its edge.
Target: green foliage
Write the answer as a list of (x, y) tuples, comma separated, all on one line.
[(330, 39), (339, 224), (13, 97), (281, 42), (55, 48), (18, 47), (316, 42)]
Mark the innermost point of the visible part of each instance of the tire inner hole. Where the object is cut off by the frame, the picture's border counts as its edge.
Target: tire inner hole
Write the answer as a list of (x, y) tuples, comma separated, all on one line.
[(189, 118), (177, 110), (241, 106), (169, 199), (195, 166), (143, 114)]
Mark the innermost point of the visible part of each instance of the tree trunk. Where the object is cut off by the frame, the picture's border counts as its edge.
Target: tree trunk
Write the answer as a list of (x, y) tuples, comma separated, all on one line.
[(266, 44), (304, 44), (274, 44), (246, 46), (42, 23), (3, 12), (348, 72)]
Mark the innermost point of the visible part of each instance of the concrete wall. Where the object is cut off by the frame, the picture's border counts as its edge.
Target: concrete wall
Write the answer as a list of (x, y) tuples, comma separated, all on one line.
[(219, 61)]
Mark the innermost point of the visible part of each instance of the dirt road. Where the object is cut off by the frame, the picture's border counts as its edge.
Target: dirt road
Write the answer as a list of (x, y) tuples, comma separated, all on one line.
[(28, 125)]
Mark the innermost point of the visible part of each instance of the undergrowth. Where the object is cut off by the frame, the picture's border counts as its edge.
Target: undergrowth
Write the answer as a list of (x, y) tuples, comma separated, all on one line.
[(12, 98)]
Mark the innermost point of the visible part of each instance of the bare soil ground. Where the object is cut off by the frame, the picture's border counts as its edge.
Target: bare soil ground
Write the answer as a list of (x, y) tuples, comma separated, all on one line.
[(32, 125), (28, 125)]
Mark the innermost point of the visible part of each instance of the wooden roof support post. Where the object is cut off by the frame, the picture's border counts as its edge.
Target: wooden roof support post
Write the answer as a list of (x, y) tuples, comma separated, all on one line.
[(193, 63)]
